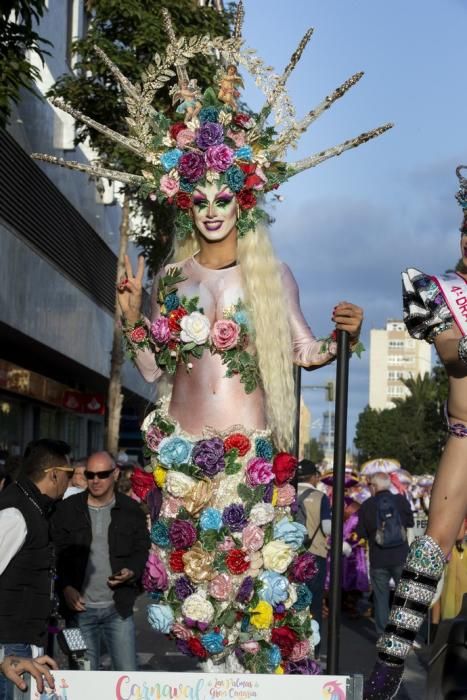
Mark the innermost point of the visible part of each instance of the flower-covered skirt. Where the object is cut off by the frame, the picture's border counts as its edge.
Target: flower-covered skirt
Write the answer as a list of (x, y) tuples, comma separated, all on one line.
[(227, 570)]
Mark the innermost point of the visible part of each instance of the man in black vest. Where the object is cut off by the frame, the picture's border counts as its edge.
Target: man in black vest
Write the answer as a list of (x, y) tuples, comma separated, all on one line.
[(26, 555)]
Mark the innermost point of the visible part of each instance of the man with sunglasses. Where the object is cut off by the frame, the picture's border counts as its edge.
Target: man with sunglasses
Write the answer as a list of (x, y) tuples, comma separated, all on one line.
[(102, 546), (26, 554)]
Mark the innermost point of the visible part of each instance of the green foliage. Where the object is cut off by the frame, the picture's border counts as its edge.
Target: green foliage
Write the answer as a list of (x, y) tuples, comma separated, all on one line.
[(313, 450), (231, 464), (17, 39), (131, 32), (413, 431)]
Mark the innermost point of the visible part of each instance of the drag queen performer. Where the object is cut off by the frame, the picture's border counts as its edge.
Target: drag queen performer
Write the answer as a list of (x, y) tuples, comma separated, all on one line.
[(435, 311), (227, 572)]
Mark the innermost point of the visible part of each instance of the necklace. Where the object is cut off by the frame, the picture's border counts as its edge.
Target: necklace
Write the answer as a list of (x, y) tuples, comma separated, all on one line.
[(28, 496)]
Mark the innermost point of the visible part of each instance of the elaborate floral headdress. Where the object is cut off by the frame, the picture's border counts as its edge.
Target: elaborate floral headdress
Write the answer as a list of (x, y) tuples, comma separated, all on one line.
[(212, 140)]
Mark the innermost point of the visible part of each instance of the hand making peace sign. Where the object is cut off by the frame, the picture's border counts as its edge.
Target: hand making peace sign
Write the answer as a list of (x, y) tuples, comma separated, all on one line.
[(130, 290)]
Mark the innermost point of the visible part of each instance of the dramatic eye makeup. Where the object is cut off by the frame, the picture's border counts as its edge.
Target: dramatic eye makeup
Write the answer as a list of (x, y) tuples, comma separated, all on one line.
[(221, 201), (199, 201)]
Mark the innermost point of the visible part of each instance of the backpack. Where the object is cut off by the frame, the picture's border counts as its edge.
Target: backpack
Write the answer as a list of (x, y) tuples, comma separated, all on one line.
[(300, 516), (389, 529)]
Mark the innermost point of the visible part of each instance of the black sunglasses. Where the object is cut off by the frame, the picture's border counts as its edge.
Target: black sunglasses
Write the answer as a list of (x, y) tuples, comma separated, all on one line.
[(100, 475)]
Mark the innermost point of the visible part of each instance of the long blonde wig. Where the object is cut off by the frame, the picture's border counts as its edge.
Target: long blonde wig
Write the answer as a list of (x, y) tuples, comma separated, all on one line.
[(265, 300)]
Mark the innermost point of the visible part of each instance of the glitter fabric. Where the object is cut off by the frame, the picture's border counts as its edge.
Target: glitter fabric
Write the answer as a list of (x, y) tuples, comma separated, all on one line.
[(384, 682), (426, 313), (227, 558)]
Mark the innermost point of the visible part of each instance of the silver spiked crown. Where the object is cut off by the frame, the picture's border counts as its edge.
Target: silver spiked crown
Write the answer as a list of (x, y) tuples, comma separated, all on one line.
[(211, 139)]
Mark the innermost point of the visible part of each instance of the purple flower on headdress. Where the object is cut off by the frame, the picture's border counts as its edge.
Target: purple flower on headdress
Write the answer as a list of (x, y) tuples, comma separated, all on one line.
[(160, 330), (182, 534), (305, 667), (245, 591), (304, 567), (219, 158), (208, 455), (209, 134), (183, 588), (234, 517), (191, 166)]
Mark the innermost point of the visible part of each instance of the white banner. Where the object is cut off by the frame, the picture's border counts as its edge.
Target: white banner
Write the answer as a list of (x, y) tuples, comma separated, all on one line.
[(112, 685), (454, 290)]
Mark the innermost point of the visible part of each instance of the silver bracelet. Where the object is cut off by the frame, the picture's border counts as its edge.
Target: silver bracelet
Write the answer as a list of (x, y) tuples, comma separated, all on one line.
[(462, 349)]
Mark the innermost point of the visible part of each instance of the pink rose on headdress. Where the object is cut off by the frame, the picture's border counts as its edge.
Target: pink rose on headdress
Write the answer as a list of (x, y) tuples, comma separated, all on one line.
[(191, 166), (169, 185), (219, 158), (285, 495), (220, 587), (185, 137), (160, 330), (259, 471), (225, 334), (238, 137), (252, 538), (251, 647)]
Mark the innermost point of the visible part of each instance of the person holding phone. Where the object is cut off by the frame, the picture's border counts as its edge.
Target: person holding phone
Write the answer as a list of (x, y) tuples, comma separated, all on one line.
[(102, 546)]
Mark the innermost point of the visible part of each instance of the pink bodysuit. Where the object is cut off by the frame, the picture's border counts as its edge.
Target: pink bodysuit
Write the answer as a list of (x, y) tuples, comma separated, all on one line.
[(205, 396)]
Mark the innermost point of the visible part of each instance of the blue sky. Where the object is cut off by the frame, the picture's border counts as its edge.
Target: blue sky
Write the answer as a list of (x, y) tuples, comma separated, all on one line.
[(348, 227)]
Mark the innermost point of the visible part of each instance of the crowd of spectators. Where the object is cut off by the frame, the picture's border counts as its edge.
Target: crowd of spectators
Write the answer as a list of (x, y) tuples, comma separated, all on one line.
[(84, 524)]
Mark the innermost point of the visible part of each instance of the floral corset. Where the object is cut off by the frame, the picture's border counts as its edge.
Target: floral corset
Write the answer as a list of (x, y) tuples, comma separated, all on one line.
[(182, 332), (426, 313)]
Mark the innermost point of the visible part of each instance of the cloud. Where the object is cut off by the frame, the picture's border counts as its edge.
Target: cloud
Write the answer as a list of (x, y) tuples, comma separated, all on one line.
[(351, 248)]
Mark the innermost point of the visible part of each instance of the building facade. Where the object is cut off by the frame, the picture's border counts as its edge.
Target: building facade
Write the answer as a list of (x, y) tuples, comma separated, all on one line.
[(59, 234), (394, 356)]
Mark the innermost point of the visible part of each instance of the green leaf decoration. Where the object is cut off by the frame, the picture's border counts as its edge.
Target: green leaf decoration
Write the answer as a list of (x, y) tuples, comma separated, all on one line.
[(358, 349), (228, 617), (231, 464), (209, 539)]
